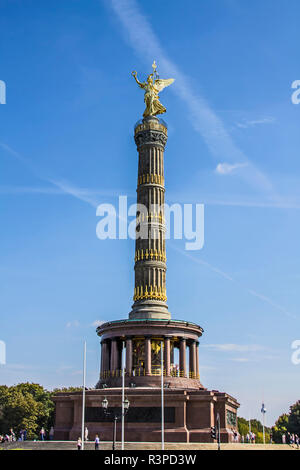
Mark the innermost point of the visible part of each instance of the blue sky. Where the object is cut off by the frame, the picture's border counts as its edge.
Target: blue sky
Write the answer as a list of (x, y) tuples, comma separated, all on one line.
[(66, 145)]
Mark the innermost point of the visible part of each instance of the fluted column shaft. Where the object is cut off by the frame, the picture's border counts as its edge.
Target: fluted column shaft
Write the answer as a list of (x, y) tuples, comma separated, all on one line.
[(150, 248), (182, 356), (197, 359), (167, 355), (129, 356), (113, 355), (148, 356), (103, 348), (192, 358)]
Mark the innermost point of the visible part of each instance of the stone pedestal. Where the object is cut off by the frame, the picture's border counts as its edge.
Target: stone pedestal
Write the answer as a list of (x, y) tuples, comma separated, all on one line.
[(189, 415)]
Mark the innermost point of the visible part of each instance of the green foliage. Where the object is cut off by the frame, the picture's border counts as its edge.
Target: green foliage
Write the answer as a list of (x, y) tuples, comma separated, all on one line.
[(280, 428), (28, 406), (66, 390), (256, 427), (287, 423), (25, 406), (243, 426), (294, 419)]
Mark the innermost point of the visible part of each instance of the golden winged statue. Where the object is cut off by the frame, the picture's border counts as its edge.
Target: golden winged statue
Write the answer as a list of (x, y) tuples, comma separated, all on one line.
[(152, 87)]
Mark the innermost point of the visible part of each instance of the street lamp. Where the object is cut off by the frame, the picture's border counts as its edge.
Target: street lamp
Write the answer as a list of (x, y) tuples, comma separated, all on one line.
[(115, 415)]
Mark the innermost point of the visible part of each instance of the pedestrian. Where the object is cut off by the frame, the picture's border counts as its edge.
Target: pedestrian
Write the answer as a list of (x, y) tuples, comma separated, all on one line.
[(51, 433), (79, 443), (297, 441), (283, 438), (25, 434), (97, 442), (42, 434), (12, 436)]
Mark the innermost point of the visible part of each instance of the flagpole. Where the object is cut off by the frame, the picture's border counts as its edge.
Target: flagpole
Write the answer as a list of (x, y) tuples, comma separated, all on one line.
[(162, 399), (263, 412), (123, 391), (83, 395)]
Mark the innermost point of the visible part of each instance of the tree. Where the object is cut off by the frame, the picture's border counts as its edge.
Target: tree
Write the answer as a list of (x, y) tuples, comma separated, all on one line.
[(243, 426), (25, 406), (294, 419), (280, 428), (256, 427)]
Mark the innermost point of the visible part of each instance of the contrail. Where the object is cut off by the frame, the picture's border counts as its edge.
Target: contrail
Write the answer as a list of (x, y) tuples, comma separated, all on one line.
[(145, 43), (230, 278)]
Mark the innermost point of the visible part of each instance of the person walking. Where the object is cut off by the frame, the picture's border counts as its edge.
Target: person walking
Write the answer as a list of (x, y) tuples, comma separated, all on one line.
[(79, 443), (42, 434), (51, 433), (97, 442)]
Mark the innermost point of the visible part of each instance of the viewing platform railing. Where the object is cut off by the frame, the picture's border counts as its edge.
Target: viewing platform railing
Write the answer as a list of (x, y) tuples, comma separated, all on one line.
[(141, 372)]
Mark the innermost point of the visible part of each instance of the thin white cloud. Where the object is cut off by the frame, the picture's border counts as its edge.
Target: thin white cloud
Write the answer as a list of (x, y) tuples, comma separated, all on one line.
[(97, 323), (234, 201), (258, 204), (255, 122), (20, 367), (201, 367), (142, 39), (73, 324), (60, 186), (60, 189), (230, 278), (227, 168), (240, 359), (230, 347), (75, 192)]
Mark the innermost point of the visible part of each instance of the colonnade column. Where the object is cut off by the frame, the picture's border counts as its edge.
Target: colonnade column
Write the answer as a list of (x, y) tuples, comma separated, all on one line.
[(197, 359), (148, 355), (167, 355), (113, 355), (103, 347), (192, 359), (182, 357), (102, 357), (129, 356), (105, 359)]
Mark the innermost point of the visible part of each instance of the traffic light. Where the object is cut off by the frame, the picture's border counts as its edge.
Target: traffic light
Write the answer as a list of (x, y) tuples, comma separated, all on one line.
[(213, 432)]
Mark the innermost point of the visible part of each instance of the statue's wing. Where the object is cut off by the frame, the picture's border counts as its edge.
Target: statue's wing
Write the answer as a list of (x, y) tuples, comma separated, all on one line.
[(160, 84)]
